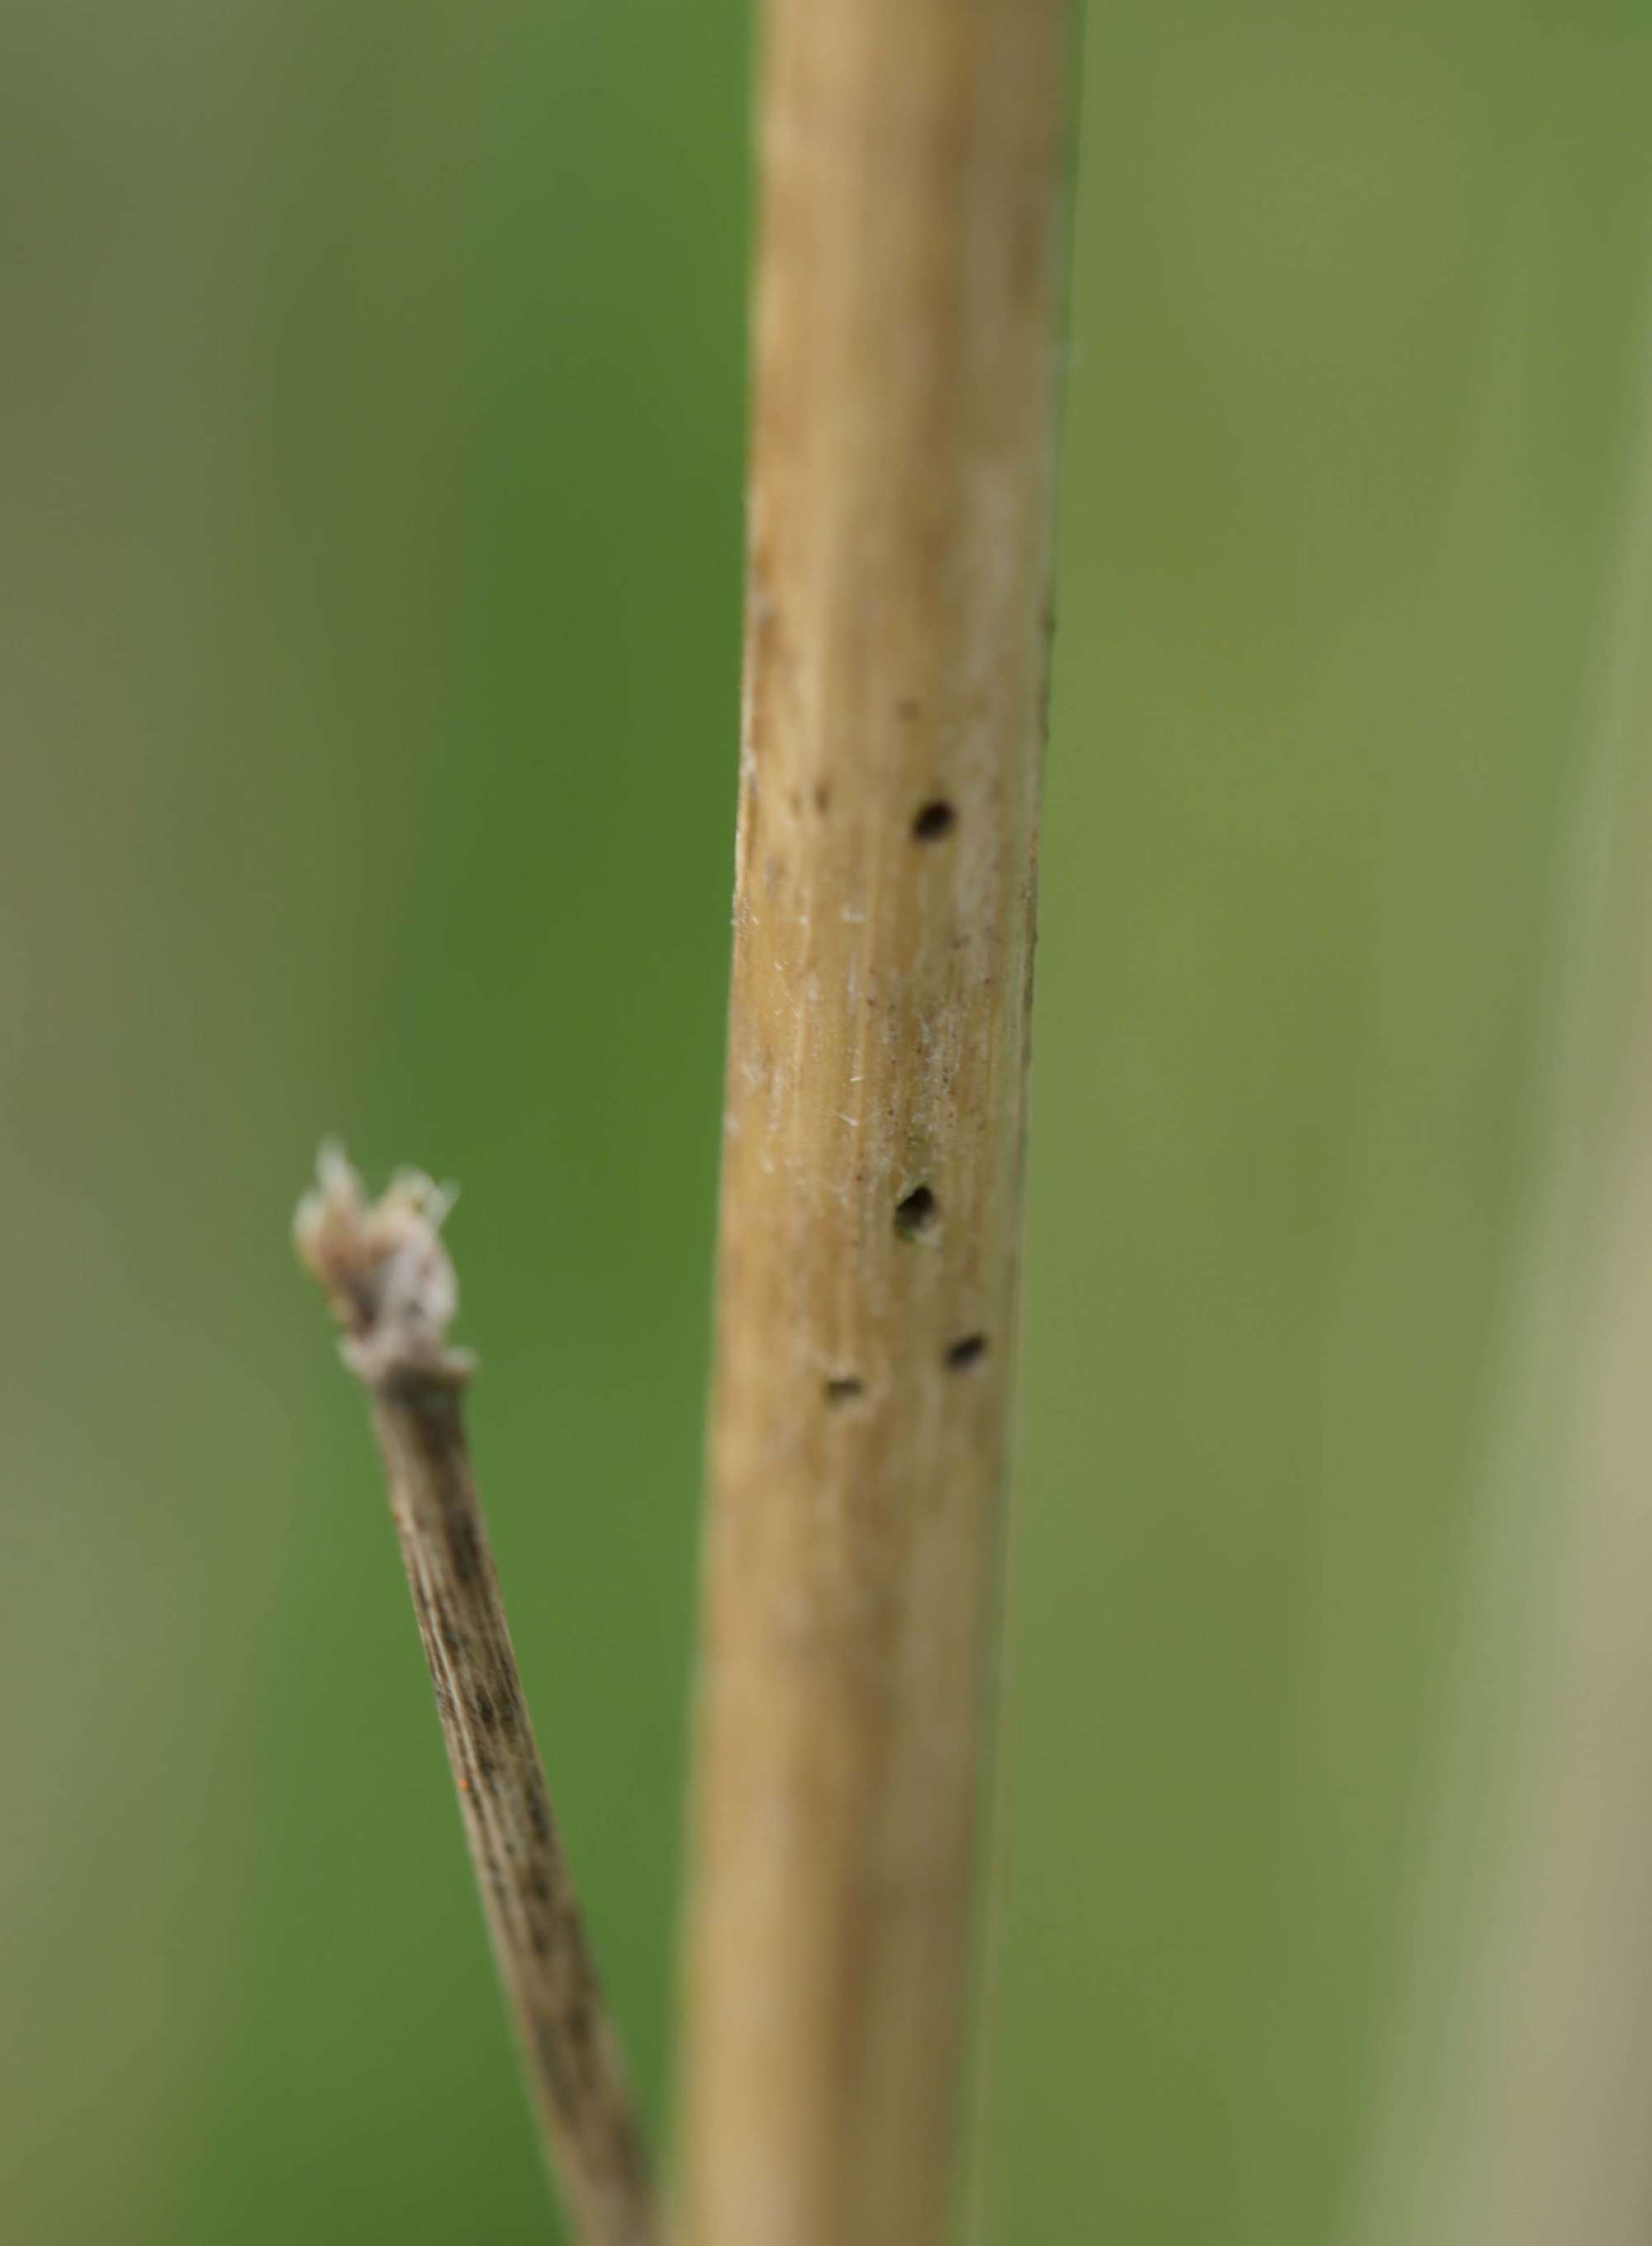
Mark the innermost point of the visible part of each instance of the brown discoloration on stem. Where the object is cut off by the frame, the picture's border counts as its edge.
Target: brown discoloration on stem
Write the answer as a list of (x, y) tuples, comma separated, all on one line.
[(895, 657), (391, 1285)]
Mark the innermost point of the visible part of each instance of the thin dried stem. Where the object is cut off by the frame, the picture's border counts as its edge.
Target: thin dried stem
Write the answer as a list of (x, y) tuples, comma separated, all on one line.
[(906, 353), (391, 1285)]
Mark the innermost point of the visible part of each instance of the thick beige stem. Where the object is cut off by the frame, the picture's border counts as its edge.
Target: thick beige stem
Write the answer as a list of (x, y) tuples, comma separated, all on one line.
[(897, 626)]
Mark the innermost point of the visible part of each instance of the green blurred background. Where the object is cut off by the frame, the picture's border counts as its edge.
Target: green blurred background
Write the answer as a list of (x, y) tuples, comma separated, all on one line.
[(372, 398)]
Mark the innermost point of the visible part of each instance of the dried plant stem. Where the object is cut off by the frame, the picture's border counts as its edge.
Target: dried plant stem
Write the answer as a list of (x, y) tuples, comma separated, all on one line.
[(392, 1284), (897, 620), (1519, 2070)]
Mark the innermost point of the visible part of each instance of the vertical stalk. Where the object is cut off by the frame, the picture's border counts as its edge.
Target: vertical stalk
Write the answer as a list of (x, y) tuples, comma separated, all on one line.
[(1512, 2100), (908, 303), (393, 1287)]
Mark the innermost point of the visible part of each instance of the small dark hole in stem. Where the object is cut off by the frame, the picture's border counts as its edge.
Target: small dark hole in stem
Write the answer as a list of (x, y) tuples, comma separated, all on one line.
[(964, 1353), (843, 1389), (934, 819), (915, 1213)]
